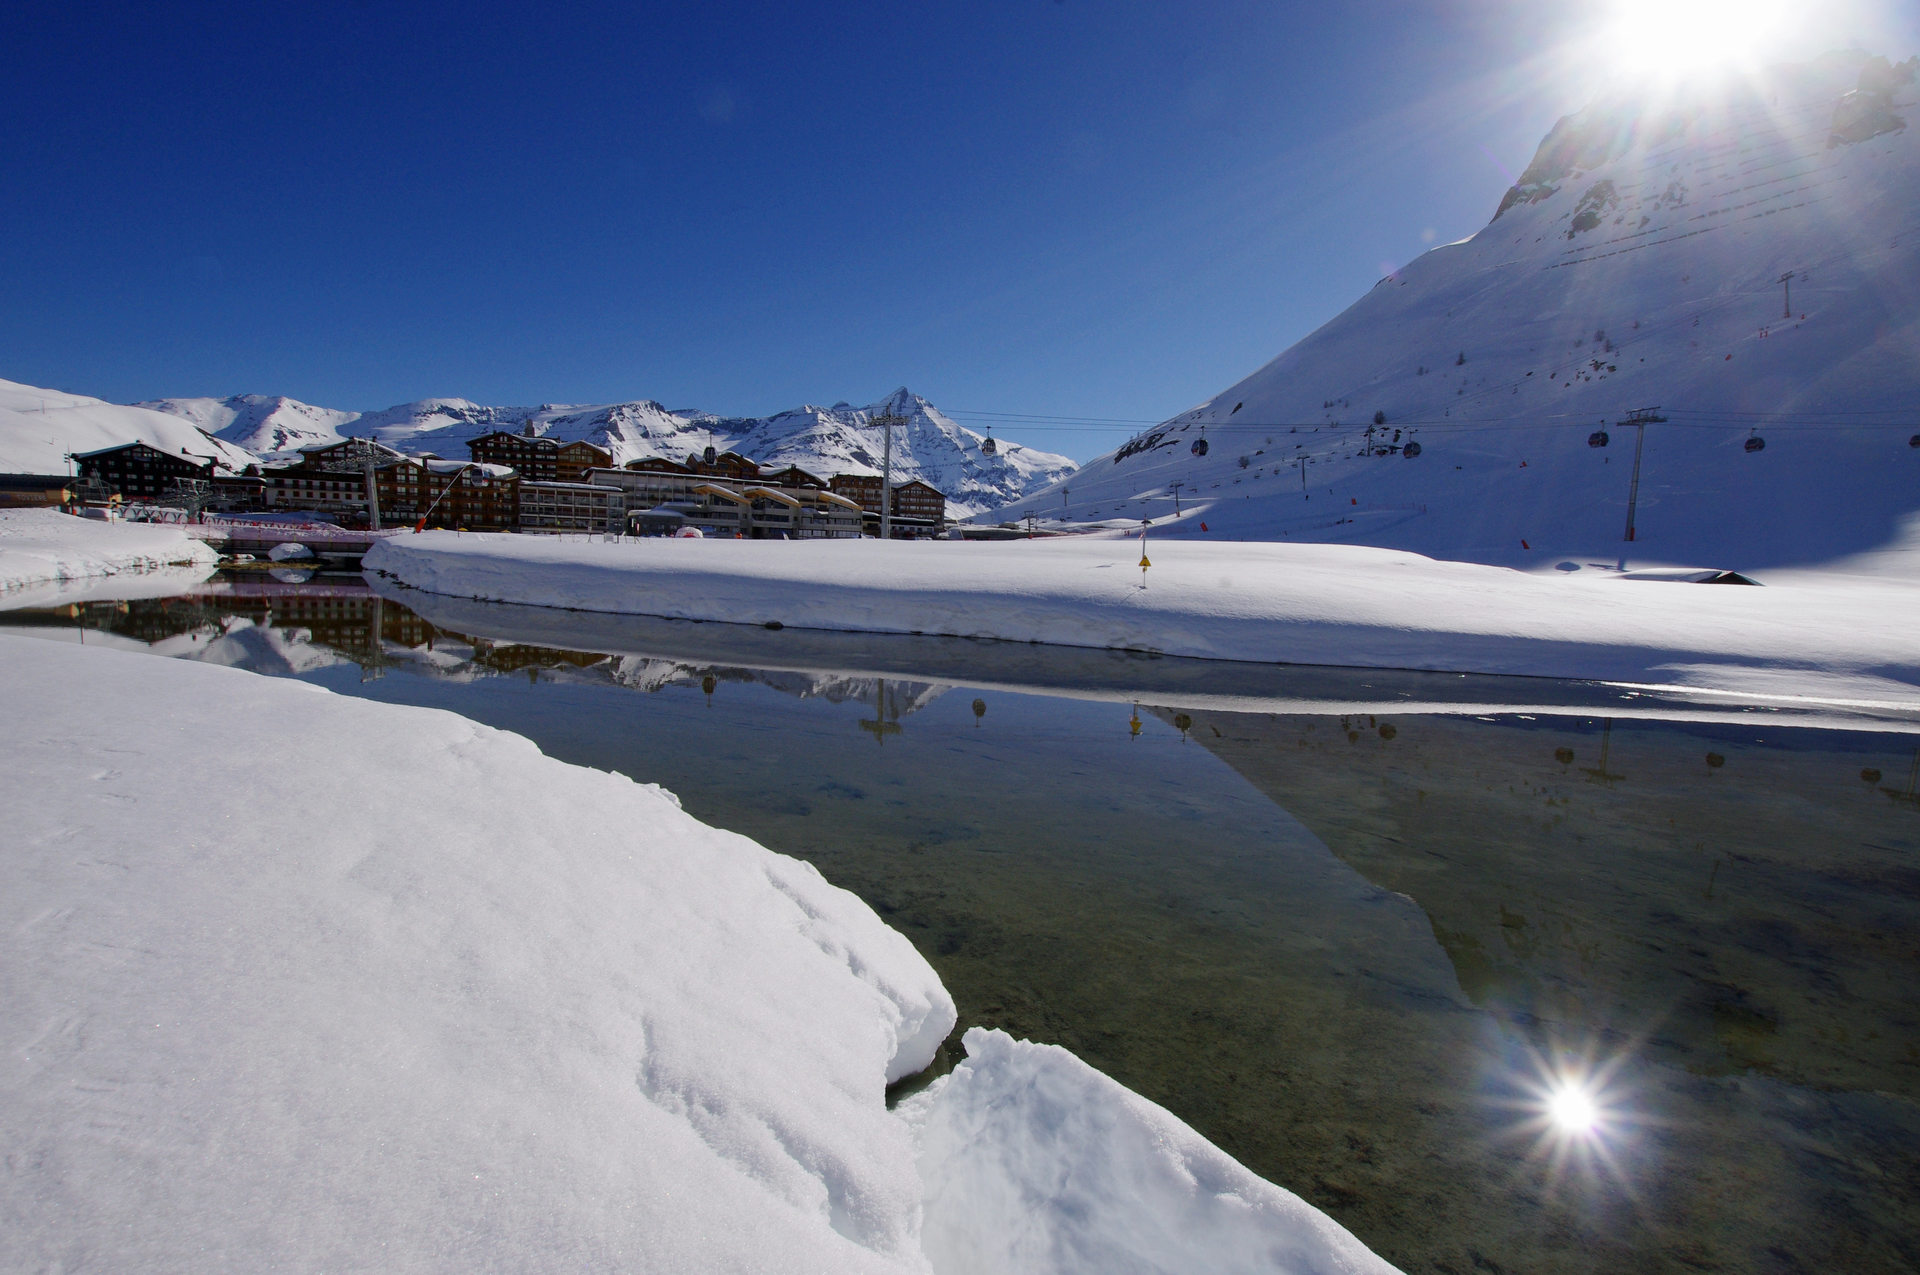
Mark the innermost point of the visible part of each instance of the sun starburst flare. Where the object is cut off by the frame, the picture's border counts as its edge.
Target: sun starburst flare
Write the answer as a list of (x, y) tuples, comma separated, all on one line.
[(1668, 39)]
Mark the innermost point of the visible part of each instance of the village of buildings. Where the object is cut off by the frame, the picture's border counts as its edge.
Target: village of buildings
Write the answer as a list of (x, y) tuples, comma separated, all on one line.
[(513, 482)]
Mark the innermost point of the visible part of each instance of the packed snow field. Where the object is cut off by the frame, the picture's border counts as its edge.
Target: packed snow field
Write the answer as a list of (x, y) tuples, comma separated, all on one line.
[(1824, 638), (43, 550), (425, 999)]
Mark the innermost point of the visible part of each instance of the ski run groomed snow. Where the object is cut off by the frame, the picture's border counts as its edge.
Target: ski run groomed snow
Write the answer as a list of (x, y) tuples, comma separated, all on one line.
[(425, 999)]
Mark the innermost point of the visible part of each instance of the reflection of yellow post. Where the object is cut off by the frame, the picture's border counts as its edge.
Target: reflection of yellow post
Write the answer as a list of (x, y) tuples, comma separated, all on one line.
[(1133, 727), (883, 723), (1600, 774)]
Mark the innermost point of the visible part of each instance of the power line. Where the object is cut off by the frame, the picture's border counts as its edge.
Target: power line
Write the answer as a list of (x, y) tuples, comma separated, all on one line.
[(1895, 418)]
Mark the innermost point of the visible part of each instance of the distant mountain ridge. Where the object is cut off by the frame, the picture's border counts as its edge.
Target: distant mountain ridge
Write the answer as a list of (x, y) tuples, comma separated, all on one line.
[(828, 441), (1647, 257)]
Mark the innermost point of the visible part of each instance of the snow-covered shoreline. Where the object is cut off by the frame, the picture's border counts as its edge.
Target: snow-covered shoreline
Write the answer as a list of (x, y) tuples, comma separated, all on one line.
[(296, 981), (1833, 638), (42, 547)]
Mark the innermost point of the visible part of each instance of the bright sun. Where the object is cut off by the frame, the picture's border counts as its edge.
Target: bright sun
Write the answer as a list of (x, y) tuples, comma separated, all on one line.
[(1668, 38), (1572, 1109)]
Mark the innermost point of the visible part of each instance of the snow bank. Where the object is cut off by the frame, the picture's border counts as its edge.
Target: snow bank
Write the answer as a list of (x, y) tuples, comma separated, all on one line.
[(418, 998), (44, 546), (1034, 1161), (1304, 604)]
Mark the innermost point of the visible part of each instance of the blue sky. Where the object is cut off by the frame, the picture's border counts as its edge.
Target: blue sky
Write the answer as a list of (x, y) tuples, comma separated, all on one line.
[(1076, 212)]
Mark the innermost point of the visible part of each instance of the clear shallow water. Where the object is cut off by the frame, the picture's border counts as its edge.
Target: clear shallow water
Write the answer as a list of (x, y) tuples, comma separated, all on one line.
[(1346, 945)]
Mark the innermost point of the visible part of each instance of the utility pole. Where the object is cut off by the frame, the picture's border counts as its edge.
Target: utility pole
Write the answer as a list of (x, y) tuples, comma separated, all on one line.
[(1641, 419), (1786, 308), (887, 421)]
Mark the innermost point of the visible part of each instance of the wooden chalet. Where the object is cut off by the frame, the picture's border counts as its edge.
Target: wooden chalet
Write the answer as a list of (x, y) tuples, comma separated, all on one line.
[(917, 506), (537, 459), (792, 476), (137, 471)]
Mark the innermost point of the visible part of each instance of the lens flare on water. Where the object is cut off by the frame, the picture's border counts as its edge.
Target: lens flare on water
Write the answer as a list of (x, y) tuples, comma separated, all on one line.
[(1573, 1105), (1572, 1109), (1573, 1112)]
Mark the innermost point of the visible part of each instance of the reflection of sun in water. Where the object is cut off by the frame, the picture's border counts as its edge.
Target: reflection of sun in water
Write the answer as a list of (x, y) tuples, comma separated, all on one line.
[(1572, 1109), (1669, 38), (1579, 1119)]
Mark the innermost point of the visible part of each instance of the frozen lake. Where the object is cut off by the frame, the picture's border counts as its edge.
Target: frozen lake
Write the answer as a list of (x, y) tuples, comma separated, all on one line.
[(1358, 929)]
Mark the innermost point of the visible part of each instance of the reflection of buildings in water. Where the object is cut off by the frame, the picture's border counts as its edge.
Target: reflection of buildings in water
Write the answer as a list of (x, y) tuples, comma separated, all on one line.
[(347, 618), (514, 657), (1741, 905), (375, 633)]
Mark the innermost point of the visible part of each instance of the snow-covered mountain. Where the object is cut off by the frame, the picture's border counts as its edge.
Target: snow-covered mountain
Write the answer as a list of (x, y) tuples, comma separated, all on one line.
[(39, 428), (843, 440), (259, 423), (1745, 257), (828, 441)]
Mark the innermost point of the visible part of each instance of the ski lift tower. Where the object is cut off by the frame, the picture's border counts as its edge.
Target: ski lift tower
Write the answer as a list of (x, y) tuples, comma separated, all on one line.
[(1639, 419), (193, 495), (888, 422)]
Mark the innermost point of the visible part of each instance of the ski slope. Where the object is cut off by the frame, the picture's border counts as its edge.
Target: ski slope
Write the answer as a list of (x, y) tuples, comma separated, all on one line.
[(1646, 259), (41, 428)]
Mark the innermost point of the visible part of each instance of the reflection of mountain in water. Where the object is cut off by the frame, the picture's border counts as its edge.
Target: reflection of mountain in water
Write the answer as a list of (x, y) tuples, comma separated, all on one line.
[(896, 698), (1634, 880), (283, 630)]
